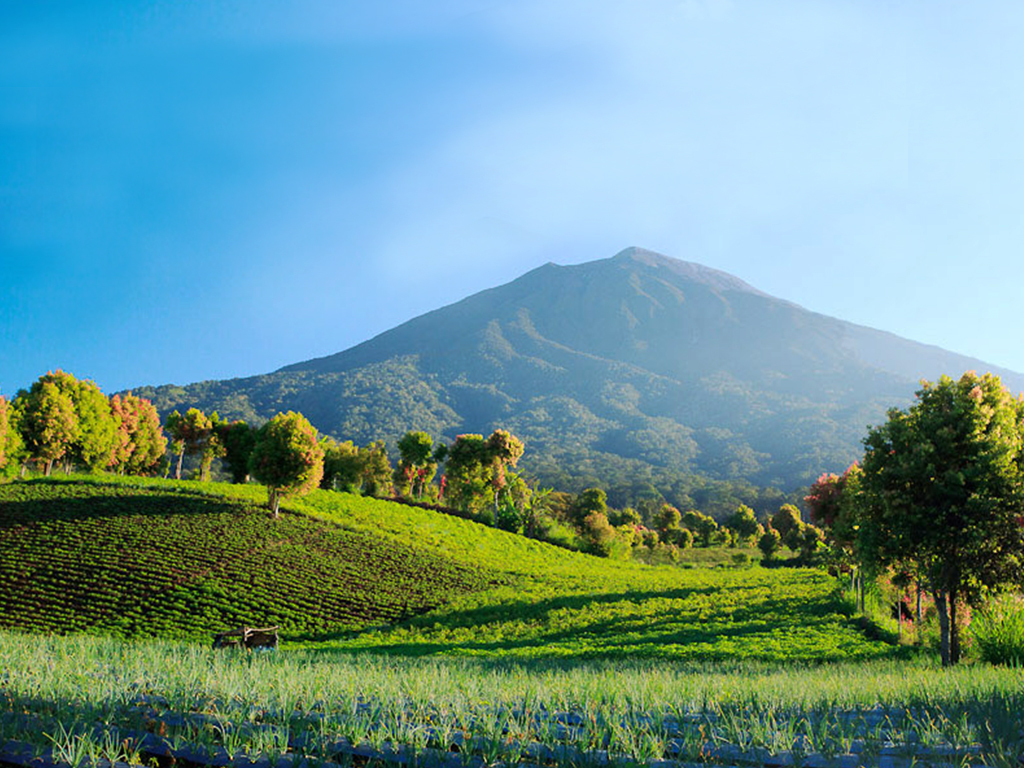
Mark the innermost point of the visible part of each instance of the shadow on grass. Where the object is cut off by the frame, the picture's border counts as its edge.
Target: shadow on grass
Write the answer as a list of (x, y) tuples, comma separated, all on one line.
[(762, 627)]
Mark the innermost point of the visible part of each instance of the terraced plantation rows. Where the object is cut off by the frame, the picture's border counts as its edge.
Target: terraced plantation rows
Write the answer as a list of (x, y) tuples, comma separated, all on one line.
[(139, 558), (137, 561)]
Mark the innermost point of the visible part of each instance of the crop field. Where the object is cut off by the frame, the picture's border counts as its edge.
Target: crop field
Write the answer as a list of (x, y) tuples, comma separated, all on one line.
[(141, 562), (135, 558), (82, 700)]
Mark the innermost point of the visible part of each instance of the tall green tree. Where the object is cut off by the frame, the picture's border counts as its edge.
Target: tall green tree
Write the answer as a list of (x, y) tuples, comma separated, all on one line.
[(236, 440), (141, 443), (97, 425), (195, 434), (287, 458), (942, 488), (376, 470), (49, 425), (415, 468), (590, 501), (743, 523), (343, 466), (703, 526), (787, 519)]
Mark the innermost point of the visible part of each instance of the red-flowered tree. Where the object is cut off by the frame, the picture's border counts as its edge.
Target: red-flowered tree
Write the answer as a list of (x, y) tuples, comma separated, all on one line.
[(141, 443), (5, 421), (287, 458)]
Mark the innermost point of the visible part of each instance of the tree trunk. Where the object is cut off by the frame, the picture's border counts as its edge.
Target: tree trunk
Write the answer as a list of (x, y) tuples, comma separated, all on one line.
[(181, 458), (941, 606), (954, 629), (49, 466), (917, 617), (274, 502)]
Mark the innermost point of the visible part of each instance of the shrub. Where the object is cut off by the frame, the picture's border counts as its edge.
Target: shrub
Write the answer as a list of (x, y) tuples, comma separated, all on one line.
[(998, 631)]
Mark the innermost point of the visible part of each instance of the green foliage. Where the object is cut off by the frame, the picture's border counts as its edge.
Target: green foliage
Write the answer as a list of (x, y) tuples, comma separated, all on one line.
[(667, 522), (589, 502), (375, 470), (787, 519), (703, 526), (286, 457), (415, 468), (343, 470), (237, 440), (769, 543), (998, 631), (744, 525), (161, 558), (200, 556), (942, 490), (48, 421), (195, 434), (306, 706)]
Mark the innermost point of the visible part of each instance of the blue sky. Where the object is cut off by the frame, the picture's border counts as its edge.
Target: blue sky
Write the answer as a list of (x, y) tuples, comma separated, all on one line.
[(205, 190)]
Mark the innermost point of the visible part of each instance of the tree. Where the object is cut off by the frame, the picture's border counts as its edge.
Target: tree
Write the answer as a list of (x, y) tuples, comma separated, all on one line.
[(415, 469), (942, 489), (769, 543), (286, 458), (667, 522), (703, 526), (503, 450), (97, 426), (343, 467), (743, 524), (464, 479), (236, 440), (376, 470), (140, 444), (590, 501), (598, 533), (175, 428), (12, 448), (193, 434), (48, 422), (786, 520)]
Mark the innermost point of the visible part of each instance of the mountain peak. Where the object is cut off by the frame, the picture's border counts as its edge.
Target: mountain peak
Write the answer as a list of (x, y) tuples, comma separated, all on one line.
[(688, 270)]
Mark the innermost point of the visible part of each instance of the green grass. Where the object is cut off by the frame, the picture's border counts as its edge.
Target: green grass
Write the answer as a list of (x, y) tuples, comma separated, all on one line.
[(701, 712), (136, 557)]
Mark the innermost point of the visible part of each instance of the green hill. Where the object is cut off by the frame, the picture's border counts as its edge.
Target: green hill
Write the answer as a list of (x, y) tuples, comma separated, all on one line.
[(134, 558)]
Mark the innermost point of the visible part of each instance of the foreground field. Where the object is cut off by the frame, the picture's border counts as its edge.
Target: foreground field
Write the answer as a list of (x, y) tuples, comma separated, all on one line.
[(136, 558), (146, 700)]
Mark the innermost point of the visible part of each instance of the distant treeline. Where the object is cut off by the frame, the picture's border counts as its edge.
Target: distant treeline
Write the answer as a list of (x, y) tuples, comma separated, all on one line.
[(69, 423)]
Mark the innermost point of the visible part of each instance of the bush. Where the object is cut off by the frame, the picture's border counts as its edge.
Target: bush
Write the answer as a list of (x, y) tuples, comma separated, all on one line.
[(998, 631)]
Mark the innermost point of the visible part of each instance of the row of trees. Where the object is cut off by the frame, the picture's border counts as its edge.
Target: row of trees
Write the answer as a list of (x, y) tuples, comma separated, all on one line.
[(61, 420), (938, 498)]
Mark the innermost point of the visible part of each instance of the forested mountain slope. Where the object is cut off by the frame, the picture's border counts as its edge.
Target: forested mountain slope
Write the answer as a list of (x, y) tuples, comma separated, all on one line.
[(638, 366)]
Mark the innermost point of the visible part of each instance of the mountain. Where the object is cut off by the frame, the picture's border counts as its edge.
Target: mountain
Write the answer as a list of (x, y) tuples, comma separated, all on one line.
[(638, 368)]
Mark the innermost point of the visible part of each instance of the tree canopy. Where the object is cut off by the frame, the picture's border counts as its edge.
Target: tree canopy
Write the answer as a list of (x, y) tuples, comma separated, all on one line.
[(287, 457), (942, 493)]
